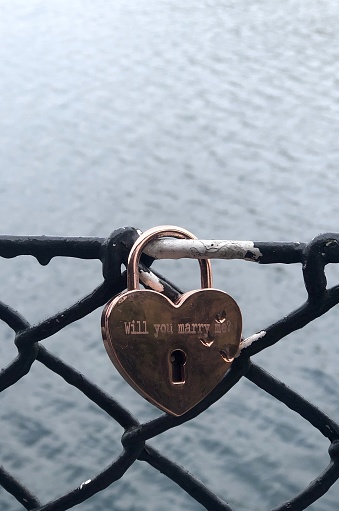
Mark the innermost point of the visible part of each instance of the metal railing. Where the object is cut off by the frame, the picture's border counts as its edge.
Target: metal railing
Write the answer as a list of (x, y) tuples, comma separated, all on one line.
[(112, 252)]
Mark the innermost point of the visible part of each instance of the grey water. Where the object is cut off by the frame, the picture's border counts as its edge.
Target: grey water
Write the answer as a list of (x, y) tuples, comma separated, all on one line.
[(220, 117)]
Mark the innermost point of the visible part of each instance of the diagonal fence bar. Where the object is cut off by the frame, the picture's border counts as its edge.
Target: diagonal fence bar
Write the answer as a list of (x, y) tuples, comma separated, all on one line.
[(113, 252)]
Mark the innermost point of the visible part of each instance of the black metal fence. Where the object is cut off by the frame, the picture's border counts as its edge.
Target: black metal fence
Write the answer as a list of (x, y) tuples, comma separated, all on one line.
[(113, 252)]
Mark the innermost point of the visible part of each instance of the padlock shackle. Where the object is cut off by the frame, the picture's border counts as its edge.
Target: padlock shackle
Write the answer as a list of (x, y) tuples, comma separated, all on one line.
[(161, 232)]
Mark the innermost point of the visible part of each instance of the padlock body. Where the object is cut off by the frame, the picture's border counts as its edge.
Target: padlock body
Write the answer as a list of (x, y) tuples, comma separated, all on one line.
[(173, 354)]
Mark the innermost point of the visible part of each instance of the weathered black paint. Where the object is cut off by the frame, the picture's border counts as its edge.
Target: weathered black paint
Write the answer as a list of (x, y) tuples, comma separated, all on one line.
[(113, 252)]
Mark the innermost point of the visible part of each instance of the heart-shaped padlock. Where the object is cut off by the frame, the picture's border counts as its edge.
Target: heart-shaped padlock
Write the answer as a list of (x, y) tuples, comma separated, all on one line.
[(173, 354)]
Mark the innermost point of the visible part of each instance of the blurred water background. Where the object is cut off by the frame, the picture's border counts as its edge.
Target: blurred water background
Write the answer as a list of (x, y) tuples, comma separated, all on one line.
[(218, 116)]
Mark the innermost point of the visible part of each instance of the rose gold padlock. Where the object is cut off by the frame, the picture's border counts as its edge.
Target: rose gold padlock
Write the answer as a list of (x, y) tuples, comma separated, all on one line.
[(173, 354)]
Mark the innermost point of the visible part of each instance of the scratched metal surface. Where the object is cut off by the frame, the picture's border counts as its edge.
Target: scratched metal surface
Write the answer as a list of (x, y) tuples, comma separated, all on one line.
[(221, 118)]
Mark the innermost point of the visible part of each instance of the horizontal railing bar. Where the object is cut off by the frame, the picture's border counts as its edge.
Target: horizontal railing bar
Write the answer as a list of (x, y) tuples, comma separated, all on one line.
[(46, 247), (171, 248), (43, 248)]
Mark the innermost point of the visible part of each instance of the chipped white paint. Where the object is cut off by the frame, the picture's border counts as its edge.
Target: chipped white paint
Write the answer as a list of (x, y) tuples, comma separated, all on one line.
[(151, 280), (250, 340), (173, 248), (83, 484)]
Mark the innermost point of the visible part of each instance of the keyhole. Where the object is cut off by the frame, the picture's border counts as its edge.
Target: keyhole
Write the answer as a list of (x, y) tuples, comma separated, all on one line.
[(178, 362)]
